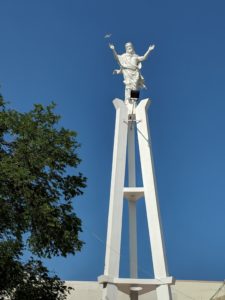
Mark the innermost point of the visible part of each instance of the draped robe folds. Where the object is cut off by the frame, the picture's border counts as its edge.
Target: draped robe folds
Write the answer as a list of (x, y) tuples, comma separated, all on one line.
[(133, 79)]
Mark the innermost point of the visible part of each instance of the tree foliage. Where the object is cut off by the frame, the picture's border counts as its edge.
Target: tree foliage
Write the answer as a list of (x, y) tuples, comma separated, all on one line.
[(37, 186)]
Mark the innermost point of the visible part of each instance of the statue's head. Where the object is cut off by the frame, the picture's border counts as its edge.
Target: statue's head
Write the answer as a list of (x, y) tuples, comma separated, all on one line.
[(129, 48)]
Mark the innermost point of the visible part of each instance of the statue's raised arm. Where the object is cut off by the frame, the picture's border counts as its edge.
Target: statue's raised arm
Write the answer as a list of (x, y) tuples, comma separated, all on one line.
[(130, 65), (112, 47), (145, 56)]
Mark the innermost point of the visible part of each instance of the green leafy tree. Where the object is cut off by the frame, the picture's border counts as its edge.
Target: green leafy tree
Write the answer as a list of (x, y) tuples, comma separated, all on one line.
[(36, 193)]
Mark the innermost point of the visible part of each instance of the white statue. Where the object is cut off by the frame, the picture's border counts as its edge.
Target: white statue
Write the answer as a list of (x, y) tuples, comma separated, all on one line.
[(130, 65)]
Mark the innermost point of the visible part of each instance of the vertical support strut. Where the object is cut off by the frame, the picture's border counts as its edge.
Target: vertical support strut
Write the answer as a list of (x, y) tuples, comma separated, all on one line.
[(151, 200), (132, 204), (113, 243)]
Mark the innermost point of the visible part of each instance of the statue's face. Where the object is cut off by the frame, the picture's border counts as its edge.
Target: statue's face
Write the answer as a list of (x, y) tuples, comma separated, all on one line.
[(129, 49)]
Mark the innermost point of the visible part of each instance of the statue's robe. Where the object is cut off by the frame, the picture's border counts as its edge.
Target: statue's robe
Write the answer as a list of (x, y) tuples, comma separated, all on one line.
[(133, 79)]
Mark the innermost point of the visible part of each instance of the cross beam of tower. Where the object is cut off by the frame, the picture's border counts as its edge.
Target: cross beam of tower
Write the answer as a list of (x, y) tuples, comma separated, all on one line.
[(129, 118)]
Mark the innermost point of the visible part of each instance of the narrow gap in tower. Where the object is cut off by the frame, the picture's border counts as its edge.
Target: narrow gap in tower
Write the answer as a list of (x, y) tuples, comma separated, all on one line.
[(144, 261)]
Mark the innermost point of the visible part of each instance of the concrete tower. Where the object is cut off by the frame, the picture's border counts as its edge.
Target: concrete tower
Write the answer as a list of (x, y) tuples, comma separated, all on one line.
[(132, 118)]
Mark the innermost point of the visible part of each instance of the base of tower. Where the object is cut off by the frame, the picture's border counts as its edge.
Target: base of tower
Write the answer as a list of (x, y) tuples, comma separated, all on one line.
[(143, 286)]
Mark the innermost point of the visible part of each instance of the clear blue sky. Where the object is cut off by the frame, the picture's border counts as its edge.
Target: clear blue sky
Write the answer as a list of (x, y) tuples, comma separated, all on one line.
[(55, 50)]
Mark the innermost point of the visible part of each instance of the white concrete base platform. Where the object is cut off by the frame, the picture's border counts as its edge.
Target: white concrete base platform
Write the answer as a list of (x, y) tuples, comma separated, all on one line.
[(143, 286)]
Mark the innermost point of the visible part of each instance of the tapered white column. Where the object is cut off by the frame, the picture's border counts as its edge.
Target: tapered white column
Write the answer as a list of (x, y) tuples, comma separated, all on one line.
[(132, 204), (112, 258), (151, 200)]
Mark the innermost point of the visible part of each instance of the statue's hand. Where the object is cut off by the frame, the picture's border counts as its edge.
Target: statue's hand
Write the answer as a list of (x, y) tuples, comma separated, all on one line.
[(111, 46), (116, 72), (151, 47)]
